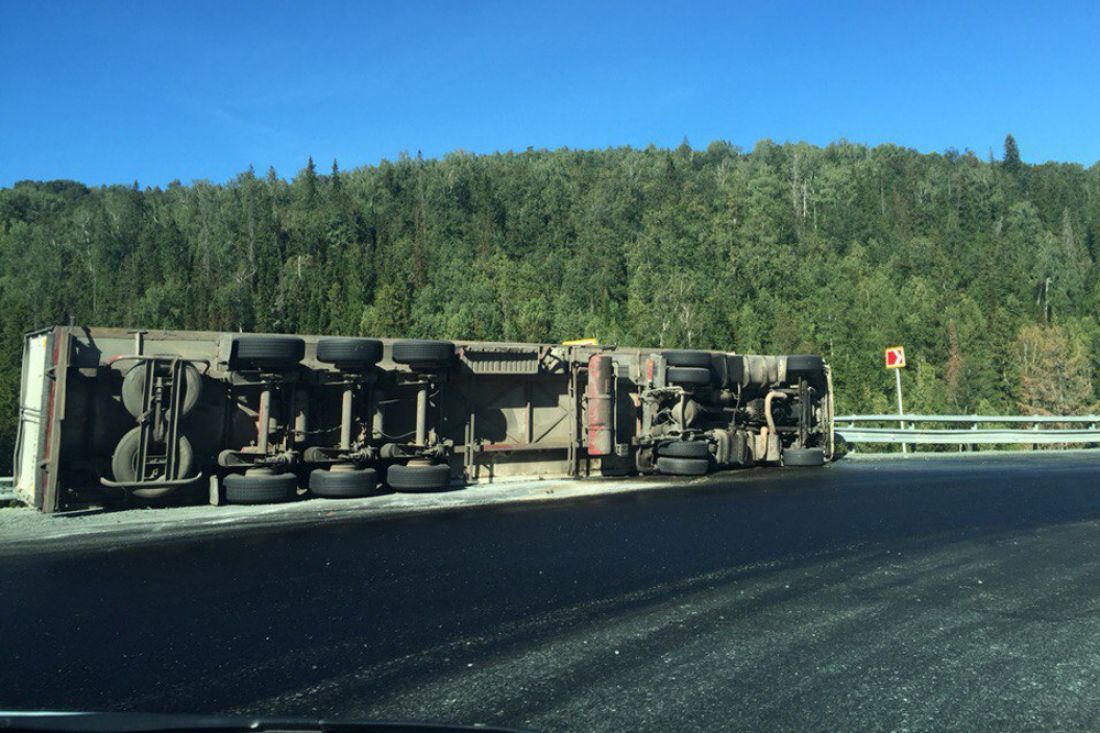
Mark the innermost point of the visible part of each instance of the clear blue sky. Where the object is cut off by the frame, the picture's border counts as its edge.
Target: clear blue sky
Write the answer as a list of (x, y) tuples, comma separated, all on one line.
[(110, 92)]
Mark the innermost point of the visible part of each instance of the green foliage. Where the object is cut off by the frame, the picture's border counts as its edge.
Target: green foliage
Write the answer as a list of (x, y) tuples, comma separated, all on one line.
[(841, 250)]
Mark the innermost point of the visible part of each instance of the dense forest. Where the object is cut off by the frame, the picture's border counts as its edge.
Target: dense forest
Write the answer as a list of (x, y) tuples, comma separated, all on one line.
[(983, 269)]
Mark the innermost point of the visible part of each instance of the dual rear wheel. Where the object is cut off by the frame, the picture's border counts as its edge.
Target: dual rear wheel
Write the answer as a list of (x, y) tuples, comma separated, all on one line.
[(260, 486), (684, 458), (341, 482), (351, 354), (688, 368)]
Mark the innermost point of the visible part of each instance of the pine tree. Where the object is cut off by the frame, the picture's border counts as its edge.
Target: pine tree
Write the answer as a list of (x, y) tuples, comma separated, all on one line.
[(1011, 161), (309, 179)]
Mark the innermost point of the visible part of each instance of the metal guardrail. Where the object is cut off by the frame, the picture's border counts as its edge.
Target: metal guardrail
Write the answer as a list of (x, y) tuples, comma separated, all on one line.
[(974, 435), (1038, 419), (7, 488)]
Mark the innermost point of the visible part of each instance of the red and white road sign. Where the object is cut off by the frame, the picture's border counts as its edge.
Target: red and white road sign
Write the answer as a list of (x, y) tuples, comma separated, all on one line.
[(895, 357)]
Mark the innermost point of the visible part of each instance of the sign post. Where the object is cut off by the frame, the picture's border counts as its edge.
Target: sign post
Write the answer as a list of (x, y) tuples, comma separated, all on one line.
[(895, 359)]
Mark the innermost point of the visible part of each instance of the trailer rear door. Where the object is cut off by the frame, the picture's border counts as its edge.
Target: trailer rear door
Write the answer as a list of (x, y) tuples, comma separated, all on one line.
[(34, 397)]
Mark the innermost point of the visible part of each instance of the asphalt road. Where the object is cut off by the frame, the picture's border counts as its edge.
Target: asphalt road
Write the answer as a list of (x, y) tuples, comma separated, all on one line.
[(884, 594)]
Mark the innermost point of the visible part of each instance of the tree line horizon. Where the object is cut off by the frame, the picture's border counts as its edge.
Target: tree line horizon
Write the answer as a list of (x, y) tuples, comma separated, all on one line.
[(983, 269)]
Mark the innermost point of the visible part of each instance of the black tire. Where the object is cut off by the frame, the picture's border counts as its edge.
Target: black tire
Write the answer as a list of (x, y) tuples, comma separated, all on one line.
[(124, 464), (424, 354), (804, 366), (688, 376), (685, 358), (685, 449), (683, 466), (270, 352), (412, 479), (617, 469), (260, 488), (133, 388), (803, 457), (349, 352), (343, 483)]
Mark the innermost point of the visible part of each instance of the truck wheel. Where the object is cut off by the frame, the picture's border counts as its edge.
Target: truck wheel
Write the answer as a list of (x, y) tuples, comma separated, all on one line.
[(804, 366), (343, 483), (685, 358), (424, 354), (688, 376), (124, 464), (133, 388), (803, 457), (270, 352), (685, 449), (260, 488), (349, 352), (412, 479), (682, 466)]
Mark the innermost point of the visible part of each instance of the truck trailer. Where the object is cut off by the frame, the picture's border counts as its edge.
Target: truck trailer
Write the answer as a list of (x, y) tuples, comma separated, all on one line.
[(111, 416)]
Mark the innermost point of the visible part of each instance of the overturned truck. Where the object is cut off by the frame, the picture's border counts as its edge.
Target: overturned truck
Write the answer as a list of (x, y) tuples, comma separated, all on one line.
[(112, 415)]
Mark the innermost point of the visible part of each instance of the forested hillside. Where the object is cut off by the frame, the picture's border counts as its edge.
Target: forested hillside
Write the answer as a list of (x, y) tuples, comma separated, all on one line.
[(982, 269)]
